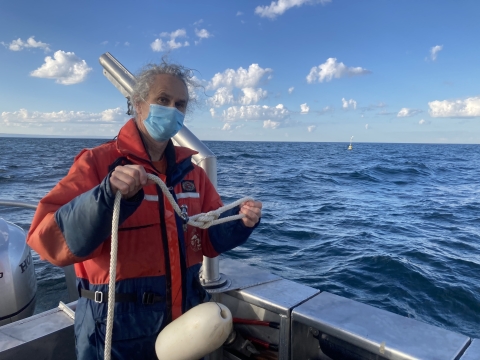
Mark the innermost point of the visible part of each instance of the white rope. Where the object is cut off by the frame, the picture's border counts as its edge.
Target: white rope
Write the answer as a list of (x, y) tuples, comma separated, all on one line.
[(203, 221), (113, 273)]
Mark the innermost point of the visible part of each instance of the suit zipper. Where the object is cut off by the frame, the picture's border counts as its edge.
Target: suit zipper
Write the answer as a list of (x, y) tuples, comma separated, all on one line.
[(168, 275)]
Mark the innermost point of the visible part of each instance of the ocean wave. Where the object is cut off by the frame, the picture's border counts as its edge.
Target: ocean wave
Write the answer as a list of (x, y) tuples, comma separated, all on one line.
[(359, 175), (394, 171), (239, 156)]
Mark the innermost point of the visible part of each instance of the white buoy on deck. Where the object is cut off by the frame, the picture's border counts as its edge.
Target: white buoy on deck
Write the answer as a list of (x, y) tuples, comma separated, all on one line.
[(196, 333)]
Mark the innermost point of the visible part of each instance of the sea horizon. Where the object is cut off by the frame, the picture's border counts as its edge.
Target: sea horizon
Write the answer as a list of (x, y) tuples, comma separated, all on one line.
[(26, 136)]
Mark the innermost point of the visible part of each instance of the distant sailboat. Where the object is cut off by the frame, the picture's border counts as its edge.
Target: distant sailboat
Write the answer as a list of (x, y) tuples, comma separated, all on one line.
[(350, 146)]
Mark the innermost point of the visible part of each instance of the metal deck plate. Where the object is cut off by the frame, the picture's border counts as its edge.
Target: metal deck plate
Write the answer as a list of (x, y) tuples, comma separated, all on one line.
[(7, 342), (44, 336), (277, 296), (243, 276), (378, 331), (473, 351)]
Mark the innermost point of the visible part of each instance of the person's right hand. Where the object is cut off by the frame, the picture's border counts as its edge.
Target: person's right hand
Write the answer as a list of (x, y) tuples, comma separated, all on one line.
[(129, 180)]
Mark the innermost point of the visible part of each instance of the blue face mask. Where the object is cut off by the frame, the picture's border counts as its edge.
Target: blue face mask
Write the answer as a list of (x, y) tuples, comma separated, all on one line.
[(163, 122)]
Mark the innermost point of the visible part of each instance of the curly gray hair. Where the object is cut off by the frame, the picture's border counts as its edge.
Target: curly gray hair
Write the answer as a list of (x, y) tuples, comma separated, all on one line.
[(147, 75)]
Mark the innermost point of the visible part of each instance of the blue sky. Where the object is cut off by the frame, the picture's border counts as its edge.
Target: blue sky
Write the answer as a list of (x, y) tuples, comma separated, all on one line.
[(287, 70)]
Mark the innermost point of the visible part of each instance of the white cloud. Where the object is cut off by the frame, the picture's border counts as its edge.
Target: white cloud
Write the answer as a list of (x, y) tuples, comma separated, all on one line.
[(256, 113), (229, 127), (212, 112), (304, 109), (104, 42), (269, 124), (223, 96), (331, 69), (174, 34), (424, 122), (111, 115), (373, 107), (198, 22), (158, 45), (252, 96), (245, 80), (240, 78), (347, 104), (239, 13), (311, 128), (161, 45), (455, 108), (126, 43), (65, 67), (194, 93), (30, 43), (23, 116), (290, 90), (366, 126), (280, 6), (406, 112), (325, 110), (202, 34), (434, 51)]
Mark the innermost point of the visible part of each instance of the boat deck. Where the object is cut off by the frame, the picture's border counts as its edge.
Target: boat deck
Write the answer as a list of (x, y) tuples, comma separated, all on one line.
[(313, 325)]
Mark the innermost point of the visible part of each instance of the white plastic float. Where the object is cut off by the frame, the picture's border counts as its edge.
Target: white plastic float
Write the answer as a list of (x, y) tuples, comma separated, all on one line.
[(196, 333)]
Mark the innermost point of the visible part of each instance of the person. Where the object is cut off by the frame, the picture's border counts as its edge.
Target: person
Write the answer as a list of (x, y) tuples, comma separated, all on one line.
[(158, 259)]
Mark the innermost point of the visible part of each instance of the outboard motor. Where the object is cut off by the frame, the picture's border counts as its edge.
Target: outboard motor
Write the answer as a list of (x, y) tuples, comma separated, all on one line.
[(18, 283)]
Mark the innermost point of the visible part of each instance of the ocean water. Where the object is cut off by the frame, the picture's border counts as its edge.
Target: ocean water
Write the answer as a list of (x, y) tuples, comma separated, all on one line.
[(396, 226)]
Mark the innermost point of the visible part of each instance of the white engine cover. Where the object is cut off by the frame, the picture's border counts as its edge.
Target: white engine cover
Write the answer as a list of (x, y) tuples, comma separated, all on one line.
[(18, 283)]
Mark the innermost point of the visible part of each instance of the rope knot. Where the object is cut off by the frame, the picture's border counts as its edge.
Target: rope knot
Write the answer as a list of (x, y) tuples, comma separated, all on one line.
[(204, 220)]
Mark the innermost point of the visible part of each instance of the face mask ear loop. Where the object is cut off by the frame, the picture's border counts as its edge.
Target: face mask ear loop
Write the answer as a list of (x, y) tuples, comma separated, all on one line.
[(129, 107), (132, 105)]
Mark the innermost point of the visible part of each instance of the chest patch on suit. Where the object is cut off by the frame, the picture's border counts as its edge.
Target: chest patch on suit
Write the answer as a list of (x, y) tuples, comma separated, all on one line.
[(196, 243), (188, 186)]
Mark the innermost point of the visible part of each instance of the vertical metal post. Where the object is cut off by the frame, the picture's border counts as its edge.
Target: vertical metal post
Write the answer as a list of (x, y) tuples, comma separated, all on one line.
[(211, 269), (211, 266), (211, 278)]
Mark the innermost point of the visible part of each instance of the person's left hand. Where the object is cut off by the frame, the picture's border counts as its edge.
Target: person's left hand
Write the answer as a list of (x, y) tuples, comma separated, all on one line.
[(252, 211)]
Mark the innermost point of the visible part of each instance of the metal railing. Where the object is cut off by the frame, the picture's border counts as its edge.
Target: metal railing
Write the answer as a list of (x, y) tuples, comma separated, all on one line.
[(14, 203)]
